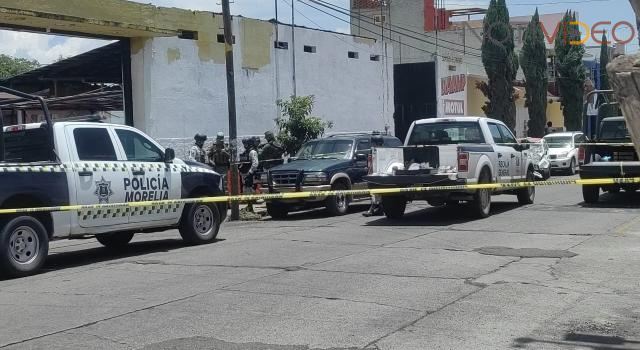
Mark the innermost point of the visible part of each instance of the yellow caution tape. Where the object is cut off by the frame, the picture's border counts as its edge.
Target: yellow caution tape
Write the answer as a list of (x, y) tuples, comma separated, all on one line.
[(312, 194)]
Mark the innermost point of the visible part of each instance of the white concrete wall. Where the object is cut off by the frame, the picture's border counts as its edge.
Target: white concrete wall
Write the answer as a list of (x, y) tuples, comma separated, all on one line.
[(177, 93)]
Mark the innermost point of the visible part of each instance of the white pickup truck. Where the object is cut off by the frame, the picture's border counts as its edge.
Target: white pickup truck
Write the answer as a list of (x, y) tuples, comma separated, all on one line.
[(85, 163), (452, 151)]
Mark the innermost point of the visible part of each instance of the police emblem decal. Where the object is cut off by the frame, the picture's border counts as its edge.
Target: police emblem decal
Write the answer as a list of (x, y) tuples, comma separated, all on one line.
[(103, 191)]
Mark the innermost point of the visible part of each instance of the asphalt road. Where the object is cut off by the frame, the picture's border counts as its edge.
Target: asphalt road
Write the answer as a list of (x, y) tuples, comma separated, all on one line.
[(553, 275)]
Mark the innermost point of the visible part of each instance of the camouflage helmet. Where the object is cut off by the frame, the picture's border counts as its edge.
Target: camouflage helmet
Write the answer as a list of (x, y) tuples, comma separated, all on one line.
[(200, 137)]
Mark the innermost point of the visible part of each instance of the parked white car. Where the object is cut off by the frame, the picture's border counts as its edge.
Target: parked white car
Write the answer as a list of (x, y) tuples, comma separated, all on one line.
[(563, 150)]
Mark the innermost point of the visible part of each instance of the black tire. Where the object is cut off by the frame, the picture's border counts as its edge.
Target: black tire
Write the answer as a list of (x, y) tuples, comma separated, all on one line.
[(24, 245), (590, 194), (572, 167), (527, 195), (277, 210), (547, 174), (481, 204), (200, 223), (394, 206), (115, 240), (338, 205)]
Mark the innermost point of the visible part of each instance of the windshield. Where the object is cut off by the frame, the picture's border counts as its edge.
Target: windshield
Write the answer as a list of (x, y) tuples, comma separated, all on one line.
[(443, 133), (559, 141), (614, 130), (326, 149)]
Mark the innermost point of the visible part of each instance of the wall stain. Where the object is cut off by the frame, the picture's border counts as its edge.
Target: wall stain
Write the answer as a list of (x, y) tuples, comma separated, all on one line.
[(173, 55)]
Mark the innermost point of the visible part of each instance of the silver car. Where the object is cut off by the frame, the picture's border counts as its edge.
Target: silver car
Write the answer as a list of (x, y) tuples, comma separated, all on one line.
[(563, 150)]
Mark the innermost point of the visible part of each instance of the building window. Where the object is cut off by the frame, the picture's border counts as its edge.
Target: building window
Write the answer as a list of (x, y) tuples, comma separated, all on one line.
[(309, 49), (375, 58), (352, 54), (188, 34), (283, 45), (379, 19), (220, 38)]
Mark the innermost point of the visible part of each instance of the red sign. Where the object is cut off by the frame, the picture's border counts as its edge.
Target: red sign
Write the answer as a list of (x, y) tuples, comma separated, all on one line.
[(452, 84)]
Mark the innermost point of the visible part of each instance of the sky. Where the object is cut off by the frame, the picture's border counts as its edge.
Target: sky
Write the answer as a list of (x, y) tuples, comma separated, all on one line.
[(47, 48)]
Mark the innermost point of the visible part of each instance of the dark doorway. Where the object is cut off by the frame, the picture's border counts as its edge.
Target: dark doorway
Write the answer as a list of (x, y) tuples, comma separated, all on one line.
[(415, 94)]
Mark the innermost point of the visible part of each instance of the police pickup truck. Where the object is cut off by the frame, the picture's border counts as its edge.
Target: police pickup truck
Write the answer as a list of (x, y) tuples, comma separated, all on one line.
[(452, 151), (88, 163)]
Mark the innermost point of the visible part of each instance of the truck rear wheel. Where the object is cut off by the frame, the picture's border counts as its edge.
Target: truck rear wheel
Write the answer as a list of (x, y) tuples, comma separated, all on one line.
[(277, 210), (115, 240), (338, 205), (590, 194), (481, 204), (528, 194), (200, 223), (24, 245), (572, 167), (394, 206)]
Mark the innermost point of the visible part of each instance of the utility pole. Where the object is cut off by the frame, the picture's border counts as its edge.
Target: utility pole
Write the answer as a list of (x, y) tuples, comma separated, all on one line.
[(293, 45), (231, 100)]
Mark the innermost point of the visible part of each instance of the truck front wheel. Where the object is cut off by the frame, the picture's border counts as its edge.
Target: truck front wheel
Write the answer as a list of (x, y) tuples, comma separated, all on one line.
[(338, 205), (394, 206), (200, 223), (591, 194), (24, 245)]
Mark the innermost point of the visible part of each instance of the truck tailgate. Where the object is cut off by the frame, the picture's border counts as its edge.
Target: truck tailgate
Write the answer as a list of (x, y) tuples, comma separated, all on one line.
[(384, 159), (595, 170)]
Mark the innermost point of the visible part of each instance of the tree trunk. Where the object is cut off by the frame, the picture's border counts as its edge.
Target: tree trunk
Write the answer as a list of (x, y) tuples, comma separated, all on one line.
[(635, 4), (624, 73)]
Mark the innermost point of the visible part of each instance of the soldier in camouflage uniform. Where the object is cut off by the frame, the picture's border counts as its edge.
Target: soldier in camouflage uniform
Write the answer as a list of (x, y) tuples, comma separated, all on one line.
[(219, 156), (197, 153), (271, 152)]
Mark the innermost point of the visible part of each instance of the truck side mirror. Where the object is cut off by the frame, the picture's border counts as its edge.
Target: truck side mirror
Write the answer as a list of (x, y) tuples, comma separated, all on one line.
[(169, 155), (361, 157)]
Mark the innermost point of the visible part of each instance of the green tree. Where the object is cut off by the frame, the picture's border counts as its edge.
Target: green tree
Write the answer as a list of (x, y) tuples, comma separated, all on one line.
[(11, 66), (296, 126), (500, 63), (605, 111), (533, 59), (571, 71)]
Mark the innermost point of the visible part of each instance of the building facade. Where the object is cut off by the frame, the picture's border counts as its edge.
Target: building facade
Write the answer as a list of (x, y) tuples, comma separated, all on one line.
[(448, 42), (173, 67)]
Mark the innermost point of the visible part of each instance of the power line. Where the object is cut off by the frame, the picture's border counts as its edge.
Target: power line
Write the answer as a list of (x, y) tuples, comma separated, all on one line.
[(498, 59), (347, 12), (539, 3), (394, 40)]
